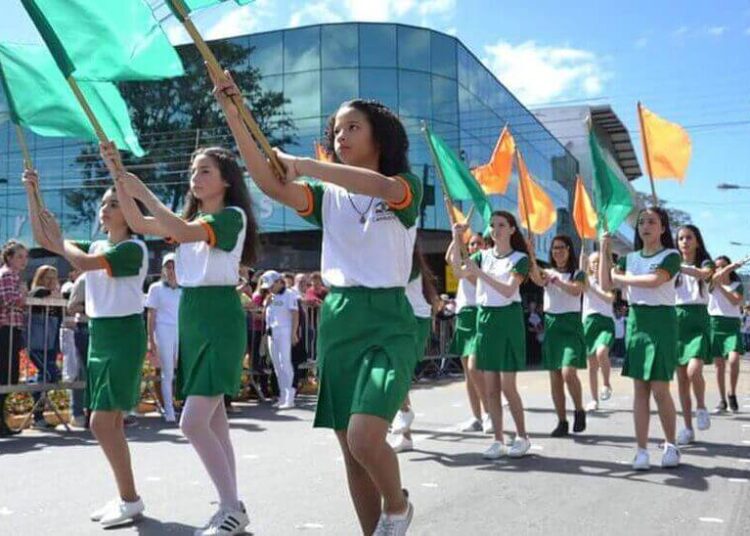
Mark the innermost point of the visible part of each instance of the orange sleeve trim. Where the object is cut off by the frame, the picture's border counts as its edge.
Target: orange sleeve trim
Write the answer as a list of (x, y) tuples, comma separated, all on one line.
[(104, 263), (308, 210), (408, 196), (210, 230)]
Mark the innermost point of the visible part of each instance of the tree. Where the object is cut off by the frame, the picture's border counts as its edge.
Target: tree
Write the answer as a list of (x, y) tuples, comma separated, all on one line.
[(677, 217), (174, 117)]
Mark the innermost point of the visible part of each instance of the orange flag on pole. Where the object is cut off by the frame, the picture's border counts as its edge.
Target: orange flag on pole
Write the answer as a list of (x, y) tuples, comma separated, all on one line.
[(458, 217), (320, 153), (495, 175), (666, 146), (535, 208), (584, 215)]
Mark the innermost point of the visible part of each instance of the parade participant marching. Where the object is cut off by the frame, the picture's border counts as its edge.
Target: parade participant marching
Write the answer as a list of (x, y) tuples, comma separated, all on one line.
[(693, 329), (647, 276), (724, 308), (163, 303), (501, 342), (115, 270), (563, 348), (367, 203), (216, 233), (598, 330)]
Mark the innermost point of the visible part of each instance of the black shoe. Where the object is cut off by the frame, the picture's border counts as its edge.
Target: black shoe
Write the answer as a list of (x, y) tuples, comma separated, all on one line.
[(6, 431), (579, 421), (733, 403), (129, 420), (721, 406), (561, 430)]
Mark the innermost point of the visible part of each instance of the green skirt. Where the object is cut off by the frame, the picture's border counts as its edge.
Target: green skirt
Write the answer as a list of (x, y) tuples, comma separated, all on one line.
[(424, 330), (693, 334), (563, 344), (726, 336), (651, 343), (213, 342), (501, 339), (598, 332), (366, 354), (117, 348), (465, 335)]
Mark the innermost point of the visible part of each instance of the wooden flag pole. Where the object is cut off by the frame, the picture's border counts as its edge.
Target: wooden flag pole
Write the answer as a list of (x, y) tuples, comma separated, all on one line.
[(87, 109), (655, 199), (27, 162), (238, 100)]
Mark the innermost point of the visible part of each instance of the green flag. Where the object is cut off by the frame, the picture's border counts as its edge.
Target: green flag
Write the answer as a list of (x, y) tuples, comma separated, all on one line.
[(41, 100), (611, 197), (105, 40), (459, 182)]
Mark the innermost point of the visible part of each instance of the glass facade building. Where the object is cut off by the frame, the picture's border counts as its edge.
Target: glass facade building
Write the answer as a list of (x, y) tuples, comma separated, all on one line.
[(425, 76)]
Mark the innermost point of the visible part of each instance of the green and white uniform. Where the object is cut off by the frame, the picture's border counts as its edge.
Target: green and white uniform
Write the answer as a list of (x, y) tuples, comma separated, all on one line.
[(501, 334), (598, 319), (651, 338), (212, 326), (693, 329), (422, 313), (563, 344), (366, 337), (725, 322), (114, 306), (465, 333)]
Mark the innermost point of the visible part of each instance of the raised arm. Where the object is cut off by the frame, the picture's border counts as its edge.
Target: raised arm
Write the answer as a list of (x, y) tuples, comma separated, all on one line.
[(31, 183)]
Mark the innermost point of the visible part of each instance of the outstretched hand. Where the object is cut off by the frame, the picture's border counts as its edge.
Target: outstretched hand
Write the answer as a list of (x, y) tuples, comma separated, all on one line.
[(133, 186), (112, 158), (30, 179)]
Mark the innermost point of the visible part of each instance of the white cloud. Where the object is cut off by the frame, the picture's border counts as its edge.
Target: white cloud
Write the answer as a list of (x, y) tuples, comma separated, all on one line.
[(681, 31), (716, 31), (538, 74), (641, 42), (388, 10), (318, 12), (451, 31)]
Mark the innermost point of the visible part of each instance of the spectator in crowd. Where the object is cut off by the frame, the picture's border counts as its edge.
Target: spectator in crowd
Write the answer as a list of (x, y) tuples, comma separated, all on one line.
[(77, 307), (316, 292), (288, 278), (15, 257), (258, 330), (67, 335), (43, 335), (301, 284), (746, 327), (621, 315), (535, 332)]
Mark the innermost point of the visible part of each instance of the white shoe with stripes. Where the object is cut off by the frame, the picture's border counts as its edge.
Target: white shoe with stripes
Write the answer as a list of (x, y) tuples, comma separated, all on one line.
[(226, 522)]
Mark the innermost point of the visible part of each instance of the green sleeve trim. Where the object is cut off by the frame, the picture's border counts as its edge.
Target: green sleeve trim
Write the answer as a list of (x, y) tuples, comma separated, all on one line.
[(579, 276), (226, 227), (671, 264), (408, 214), (622, 263), (477, 258), (314, 212), (125, 259), (708, 263), (83, 245), (522, 266)]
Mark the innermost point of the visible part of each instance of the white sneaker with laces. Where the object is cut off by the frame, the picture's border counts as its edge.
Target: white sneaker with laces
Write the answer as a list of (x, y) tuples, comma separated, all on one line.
[(496, 451), (641, 461), (225, 522), (520, 447), (472, 425), (670, 457), (98, 514), (605, 393), (402, 444), (402, 421), (685, 436), (122, 512), (487, 426), (394, 524), (703, 419), (592, 406)]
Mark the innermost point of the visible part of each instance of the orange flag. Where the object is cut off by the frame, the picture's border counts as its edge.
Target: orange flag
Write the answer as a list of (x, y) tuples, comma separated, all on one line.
[(495, 175), (320, 153), (666, 146), (584, 215), (540, 213), (458, 217)]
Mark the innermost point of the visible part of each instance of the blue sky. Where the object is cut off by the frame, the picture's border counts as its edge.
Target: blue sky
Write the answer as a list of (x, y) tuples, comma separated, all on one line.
[(687, 61)]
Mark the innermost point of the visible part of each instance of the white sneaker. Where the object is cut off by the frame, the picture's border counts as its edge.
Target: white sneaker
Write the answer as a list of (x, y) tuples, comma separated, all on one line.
[(592, 406), (225, 522), (487, 426), (98, 514), (641, 461), (472, 425), (78, 421), (519, 448), (402, 444), (671, 456), (169, 415), (605, 393), (394, 525), (496, 451), (703, 419), (402, 421), (122, 512), (685, 437)]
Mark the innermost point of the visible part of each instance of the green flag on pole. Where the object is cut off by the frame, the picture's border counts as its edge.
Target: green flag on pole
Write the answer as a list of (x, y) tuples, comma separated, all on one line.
[(459, 183), (40, 99), (194, 5), (612, 199), (105, 40)]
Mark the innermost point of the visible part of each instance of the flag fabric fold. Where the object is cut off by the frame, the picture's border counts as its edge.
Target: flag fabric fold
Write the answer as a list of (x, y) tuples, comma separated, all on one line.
[(584, 215), (666, 146), (495, 175), (320, 153), (611, 197), (540, 213), (459, 217)]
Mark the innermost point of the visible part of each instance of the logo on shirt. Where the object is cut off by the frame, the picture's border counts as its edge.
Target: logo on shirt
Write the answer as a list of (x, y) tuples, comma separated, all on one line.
[(382, 212)]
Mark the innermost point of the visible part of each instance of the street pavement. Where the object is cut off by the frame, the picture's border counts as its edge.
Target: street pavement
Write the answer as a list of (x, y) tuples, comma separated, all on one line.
[(292, 476)]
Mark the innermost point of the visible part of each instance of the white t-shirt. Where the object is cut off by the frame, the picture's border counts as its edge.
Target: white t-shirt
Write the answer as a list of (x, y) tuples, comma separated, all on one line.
[(466, 295), (415, 296), (637, 264), (556, 300), (718, 304), (503, 269), (279, 310), (165, 300), (116, 290), (689, 289), (215, 263), (593, 303)]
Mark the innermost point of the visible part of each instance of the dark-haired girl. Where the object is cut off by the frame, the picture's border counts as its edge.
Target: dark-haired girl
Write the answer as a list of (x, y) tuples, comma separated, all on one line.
[(647, 277), (501, 338), (724, 308), (693, 330), (115, 270), (563, 349), (216, 233), (367, 202)]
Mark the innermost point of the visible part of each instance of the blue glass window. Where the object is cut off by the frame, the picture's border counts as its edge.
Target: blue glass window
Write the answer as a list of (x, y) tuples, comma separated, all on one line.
[(414, 94), (413, 49), (302, 49), (267, 54), (377, 45), (340, 46), (303, 92), (443, 55), (339, 85), (380, 85)]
